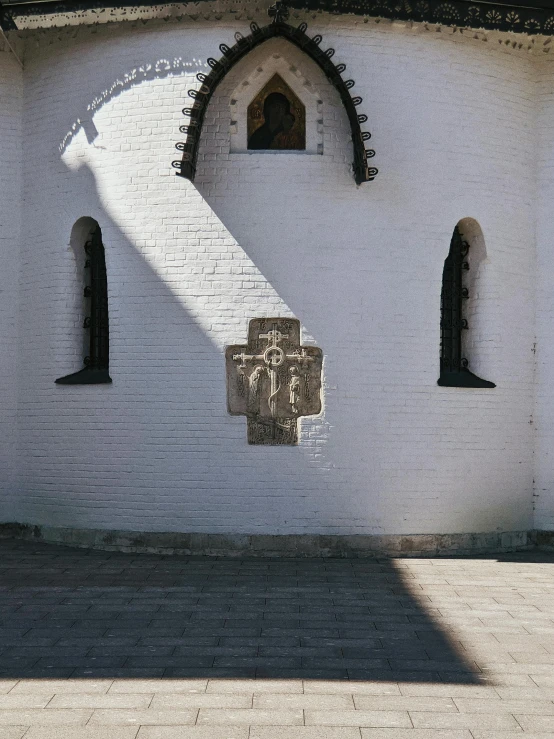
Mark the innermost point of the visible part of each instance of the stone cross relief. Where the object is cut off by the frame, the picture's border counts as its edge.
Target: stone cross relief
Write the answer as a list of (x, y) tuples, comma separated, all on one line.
[(273, 380)]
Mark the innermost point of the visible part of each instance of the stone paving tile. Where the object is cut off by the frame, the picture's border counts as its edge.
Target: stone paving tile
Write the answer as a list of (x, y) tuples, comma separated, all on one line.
[(470, 705), (478, 734), (351, 687), (175, 701), (399, 719), (250, 716), (531, 722), (158, 686), (45, 717), (87, 732), (458, 647), (194, 732), (419, 734), (304, 732), (404, 703), (143, 718), (450, 690), (313, 701), (87, 700), (51, 687), (465, 720), (255, 686)]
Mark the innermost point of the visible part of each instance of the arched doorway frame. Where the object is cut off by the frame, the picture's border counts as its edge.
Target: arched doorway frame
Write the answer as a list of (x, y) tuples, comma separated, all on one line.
[(245, 44)]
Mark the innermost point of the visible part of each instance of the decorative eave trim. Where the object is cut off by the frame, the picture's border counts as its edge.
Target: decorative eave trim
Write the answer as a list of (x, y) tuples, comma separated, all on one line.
[(459, 13), (511, 18), (231, 55), (6, 21)]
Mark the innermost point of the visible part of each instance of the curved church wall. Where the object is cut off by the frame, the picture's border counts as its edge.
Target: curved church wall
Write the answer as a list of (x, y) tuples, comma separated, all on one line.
[(276, 233), (11, 97), (544, 406)]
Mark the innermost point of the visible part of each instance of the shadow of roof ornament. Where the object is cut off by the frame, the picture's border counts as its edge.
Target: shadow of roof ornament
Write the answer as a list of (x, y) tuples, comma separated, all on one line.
[(278, 12)]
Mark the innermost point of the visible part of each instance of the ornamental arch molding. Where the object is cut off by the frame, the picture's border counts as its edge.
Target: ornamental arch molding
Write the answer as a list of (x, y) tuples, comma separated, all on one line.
[(232, 55)]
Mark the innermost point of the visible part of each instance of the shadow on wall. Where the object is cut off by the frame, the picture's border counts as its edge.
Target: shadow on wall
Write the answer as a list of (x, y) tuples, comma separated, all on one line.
[(157, 69), (93, 614), (87, 614)]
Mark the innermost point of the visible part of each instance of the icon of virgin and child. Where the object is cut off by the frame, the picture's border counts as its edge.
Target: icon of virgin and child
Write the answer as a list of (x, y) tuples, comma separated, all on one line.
[(276, 118)]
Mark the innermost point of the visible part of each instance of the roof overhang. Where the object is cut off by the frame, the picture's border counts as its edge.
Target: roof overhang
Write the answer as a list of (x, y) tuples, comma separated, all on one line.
[(527, 16)]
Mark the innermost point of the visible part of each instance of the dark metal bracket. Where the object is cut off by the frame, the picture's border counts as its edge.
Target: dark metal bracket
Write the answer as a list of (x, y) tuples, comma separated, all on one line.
[(244, 44), (462, 378), (86, 376)]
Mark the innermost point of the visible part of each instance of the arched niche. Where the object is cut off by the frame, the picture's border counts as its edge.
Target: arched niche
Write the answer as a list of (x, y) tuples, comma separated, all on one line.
[(246, 44), (90, 305), (275, 58), (475, 282), (461, 318)]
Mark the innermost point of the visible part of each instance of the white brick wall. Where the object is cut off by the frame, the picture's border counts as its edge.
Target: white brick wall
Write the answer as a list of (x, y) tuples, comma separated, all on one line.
[(544, 406), (11, 99), (188, 266)]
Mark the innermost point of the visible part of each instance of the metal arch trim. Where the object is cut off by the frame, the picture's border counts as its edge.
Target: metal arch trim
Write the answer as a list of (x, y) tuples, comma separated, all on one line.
[(232, 55)]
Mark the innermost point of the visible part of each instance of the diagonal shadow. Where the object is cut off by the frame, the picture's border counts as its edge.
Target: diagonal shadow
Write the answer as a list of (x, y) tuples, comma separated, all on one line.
[(80, 613), (85, 613)]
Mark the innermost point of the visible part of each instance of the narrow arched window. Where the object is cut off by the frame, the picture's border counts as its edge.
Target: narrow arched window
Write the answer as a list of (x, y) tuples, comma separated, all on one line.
[(96, 322), (454, 366)]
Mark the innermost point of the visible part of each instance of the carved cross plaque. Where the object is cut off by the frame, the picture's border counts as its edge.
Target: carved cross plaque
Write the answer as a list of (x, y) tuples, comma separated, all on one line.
[(273, 380)]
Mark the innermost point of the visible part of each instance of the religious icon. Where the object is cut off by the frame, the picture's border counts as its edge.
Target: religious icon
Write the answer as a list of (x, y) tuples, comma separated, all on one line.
[(276, 118), (283, 380)]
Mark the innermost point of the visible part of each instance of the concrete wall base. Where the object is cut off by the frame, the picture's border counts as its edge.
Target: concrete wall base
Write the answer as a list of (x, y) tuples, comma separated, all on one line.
[(268, 545)]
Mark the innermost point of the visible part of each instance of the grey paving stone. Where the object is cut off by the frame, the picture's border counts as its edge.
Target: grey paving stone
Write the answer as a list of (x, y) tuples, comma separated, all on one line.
[(420, 734), (200, 700), (497, 721), (193, 732), (88, 700), (45, 717), (391, 719), (135, 687), (143, 718), (87, 732), (269, 701), (257, 618), (255, 686), (535, 723), (304, 732), (52, 687), (404, 703), (251, 717)]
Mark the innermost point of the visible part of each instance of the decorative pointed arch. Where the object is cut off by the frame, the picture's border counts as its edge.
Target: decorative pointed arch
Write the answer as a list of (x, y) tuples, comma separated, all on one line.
[(231, 55)]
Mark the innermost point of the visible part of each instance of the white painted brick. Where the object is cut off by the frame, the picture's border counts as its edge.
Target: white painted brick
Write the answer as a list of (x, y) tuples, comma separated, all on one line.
[(454, 123), (11, 97)]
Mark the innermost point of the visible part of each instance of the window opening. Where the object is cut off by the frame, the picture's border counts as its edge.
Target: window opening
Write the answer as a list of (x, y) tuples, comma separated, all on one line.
[(96, 322), (454, 368)]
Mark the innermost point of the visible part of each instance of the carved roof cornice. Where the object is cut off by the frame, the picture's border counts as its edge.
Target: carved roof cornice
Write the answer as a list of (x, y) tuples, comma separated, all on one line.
[(522, 17)]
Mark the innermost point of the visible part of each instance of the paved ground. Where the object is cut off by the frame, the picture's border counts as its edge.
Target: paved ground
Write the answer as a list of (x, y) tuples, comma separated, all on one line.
[(97, 645)]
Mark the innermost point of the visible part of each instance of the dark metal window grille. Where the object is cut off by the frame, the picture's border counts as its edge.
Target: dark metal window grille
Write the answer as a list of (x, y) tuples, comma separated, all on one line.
[(453, 366), (97, 322)]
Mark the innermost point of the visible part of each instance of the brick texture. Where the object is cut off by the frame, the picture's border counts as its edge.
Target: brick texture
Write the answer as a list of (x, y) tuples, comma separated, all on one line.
[(453, 122)]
